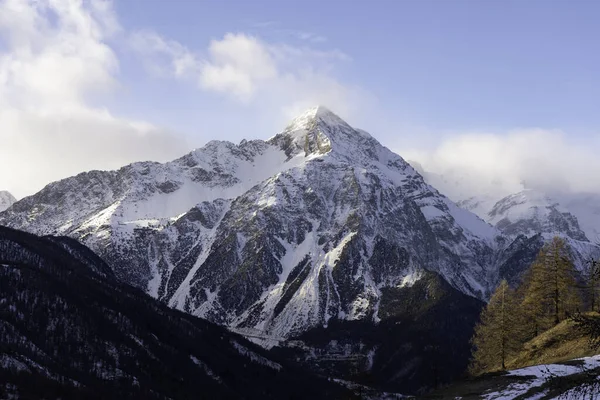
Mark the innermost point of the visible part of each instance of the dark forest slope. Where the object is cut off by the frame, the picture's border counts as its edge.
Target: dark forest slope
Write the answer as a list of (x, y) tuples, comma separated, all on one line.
[(69, 329)]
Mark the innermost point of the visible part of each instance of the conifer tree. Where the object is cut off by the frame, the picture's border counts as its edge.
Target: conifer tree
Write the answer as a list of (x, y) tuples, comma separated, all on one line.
[(559, 283), (494, 340), (529, 295), (550, 290), (591, 283)]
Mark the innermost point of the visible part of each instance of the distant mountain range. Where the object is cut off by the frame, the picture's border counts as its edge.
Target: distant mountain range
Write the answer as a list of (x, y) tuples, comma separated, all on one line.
[(525, 210)]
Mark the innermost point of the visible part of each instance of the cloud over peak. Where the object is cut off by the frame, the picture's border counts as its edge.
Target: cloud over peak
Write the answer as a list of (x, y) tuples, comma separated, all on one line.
[(251, 70), (499, 164)]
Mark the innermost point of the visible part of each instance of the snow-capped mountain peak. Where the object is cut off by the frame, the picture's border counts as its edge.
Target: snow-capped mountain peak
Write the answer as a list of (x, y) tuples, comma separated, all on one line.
[(6, 200), (527, 200), (319, 131), (532, 211), (279, 235), (318, 114)]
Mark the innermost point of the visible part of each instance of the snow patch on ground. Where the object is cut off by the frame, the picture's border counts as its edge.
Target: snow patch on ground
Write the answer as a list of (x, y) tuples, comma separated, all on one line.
[(539, 375)]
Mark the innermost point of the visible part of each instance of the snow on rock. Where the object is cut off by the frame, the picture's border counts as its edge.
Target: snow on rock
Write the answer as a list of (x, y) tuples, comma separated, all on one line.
[(530, 212), (517, 210)]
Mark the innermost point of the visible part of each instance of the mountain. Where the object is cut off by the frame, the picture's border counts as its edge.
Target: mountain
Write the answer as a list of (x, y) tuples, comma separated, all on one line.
[(319, 230), (516, 210), (279, 235), (70, 329), (529, 212), (6, 200)]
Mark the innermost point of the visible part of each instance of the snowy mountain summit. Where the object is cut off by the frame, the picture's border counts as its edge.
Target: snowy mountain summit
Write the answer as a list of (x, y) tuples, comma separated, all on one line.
[(319, 222), (6, 200), (530, 212)]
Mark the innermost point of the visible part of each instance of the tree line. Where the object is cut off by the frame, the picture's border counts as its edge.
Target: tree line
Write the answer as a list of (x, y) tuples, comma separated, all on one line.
[(550, 291)]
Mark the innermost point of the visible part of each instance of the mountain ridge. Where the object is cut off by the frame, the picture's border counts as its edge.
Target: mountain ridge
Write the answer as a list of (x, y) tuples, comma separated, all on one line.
[(522, 210), (320, 193)]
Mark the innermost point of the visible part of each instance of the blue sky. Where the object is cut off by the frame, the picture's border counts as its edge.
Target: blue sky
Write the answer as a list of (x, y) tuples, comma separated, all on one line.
[(442, 65), (103, 83)]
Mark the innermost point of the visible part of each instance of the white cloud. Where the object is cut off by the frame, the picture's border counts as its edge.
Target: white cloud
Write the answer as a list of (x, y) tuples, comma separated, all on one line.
[(238, 64), (273, 76), (56, 57), (500, 164), (164, 57), (56, 63), (38, 148), (57, 60)]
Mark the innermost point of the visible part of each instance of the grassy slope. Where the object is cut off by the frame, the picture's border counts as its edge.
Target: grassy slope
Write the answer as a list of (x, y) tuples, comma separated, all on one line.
[(560, 344)]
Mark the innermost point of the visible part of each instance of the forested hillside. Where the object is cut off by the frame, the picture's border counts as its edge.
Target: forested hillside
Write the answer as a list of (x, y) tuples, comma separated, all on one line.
[(69, 329), (550, 291)]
